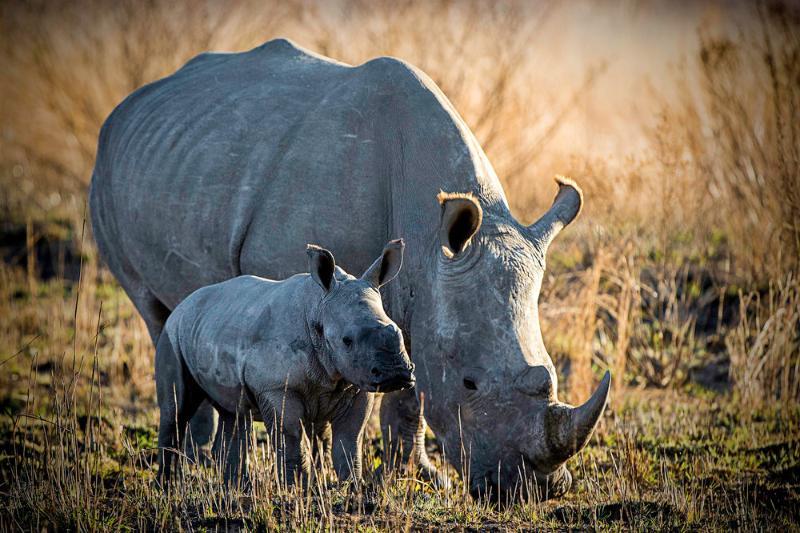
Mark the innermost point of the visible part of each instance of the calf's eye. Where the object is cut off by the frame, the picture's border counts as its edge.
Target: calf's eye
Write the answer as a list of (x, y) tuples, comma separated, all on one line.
[(468, 383), (347, 341)]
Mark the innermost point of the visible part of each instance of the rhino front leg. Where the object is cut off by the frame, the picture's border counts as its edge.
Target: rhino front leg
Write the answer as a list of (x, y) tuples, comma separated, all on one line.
[(403, 428), (283, 414), (322, 446), (348, 435), (233, 447)]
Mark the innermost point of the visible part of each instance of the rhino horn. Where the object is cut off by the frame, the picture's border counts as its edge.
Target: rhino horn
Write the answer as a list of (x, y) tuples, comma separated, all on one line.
[(568, 429), (566, 206)]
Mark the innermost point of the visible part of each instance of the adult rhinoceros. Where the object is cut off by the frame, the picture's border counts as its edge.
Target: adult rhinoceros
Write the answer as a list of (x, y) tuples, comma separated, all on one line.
[(232, 164)]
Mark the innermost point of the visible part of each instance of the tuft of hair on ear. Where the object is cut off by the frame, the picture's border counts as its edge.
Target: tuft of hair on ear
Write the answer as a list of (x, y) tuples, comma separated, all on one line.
[(564, 181), (313, 249), (322, 265), (443, 196)]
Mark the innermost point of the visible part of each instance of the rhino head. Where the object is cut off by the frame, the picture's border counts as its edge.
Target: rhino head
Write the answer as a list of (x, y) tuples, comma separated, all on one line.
[(365, 347), (485, 359)]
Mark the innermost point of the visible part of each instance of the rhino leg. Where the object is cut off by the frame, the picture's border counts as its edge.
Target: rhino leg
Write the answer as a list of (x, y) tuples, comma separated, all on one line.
[(178, 397), (348, 436), (282, 414), (322, 445), (203, 425), (232, 452), (154, 313), (403, 428)]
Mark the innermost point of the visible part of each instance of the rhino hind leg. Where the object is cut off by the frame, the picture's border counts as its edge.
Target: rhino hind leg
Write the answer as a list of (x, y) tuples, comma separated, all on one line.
[(202, 428), (203, 425), (178, 396), (153, 311), (403, 427)]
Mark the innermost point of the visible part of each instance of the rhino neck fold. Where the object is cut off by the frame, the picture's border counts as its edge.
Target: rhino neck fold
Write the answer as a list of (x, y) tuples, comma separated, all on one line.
[(320, 354), (428, 149), (431, 150)]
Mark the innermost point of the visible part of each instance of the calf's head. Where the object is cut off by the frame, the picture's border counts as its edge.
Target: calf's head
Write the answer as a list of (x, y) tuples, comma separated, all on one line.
[(361, 341), (485, 357)]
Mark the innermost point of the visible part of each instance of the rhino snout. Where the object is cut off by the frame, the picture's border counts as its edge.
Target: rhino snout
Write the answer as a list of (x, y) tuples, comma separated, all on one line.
[(388, 339), (484, 486), (498, 486), (396, 377)]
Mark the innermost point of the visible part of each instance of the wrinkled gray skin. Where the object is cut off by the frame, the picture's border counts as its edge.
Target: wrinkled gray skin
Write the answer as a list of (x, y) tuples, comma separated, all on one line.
[(226, 166), (297, 354)]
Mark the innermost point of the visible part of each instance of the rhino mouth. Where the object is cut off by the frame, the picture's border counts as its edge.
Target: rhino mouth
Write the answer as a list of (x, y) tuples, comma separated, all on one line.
[(539, 487), (393, 383), (485, 488)]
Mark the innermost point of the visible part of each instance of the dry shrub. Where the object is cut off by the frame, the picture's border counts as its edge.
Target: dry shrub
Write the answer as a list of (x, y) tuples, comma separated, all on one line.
[(765, 346), (588, 319), (739, 129), (625, 313), (665, 341)]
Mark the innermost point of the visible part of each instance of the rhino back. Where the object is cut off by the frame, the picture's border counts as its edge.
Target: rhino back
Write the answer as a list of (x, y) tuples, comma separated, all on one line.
[(246, 321), (233, 163)]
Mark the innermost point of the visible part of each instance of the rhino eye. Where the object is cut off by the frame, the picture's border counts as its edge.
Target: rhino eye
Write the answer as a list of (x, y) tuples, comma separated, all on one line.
[(347, 341), (468, 383)]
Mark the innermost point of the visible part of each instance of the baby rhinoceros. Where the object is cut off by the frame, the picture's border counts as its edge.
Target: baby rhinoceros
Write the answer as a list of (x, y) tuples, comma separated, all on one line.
[(301, 354)]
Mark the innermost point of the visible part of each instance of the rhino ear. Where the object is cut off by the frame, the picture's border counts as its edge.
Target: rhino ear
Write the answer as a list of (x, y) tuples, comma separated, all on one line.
[(461, 219), (566, 206), (321, 265), (386, 267)]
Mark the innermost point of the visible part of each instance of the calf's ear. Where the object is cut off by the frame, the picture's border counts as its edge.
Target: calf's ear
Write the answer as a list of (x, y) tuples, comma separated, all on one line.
[(386, 267), (321, 265), (460, 221)]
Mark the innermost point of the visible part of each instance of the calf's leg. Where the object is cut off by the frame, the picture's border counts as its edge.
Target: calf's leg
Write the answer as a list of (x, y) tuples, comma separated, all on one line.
[(282, 413), (348, 434), (178, 396), (203, 428), (232, 448)]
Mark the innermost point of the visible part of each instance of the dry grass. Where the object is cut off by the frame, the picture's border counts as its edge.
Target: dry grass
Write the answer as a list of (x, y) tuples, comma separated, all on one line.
[(79, 430), (765, 347), (680, 276), (738, 126)]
